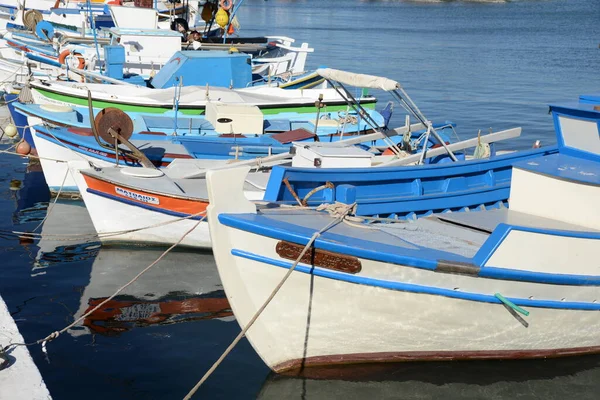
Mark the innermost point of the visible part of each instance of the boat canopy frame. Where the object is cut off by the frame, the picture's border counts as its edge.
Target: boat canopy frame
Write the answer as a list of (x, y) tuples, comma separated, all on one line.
[(338, 79)]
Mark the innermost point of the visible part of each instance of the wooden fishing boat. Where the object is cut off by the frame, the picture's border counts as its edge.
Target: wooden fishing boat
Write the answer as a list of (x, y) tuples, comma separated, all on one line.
[(516, 282), (159, 206), (191, 99), (163, 139)]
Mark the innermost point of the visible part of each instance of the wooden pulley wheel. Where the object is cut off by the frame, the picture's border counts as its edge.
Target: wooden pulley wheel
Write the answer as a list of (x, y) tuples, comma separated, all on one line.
[(116, 119), (31, 18)]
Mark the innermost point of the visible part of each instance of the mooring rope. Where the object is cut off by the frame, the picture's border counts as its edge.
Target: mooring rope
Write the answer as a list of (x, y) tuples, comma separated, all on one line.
[(56, 334), (73, 237), (314, 237), (53, 203)]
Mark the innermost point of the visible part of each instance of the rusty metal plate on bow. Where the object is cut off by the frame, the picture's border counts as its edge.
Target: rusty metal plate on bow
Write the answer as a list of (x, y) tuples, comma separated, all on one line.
[(116, 119), (319, 258)]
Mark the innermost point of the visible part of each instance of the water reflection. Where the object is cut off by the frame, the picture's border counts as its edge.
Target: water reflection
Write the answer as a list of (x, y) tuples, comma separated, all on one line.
[(31, 195), (183, 286), (524, 379)]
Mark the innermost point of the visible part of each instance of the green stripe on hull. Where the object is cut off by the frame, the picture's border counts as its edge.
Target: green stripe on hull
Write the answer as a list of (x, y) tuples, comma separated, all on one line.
[(309, 108)]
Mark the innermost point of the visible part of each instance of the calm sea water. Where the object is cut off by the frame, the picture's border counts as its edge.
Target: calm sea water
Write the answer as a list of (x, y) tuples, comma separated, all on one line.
[(480, 65)]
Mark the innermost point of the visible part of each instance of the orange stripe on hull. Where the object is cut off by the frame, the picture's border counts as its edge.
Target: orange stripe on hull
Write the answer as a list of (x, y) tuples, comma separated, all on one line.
[(167, 203)]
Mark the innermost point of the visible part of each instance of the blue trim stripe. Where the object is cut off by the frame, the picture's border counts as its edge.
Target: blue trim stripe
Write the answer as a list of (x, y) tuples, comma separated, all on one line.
[(145, 206), (41, 59), (413, 288), (421, 257)]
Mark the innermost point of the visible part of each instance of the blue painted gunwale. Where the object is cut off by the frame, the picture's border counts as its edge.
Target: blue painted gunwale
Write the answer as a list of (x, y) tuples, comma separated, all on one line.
[(422, 258), (414, 288), (590, 98), (205, 147), (407, 189), (155, 122), (33, 47), (42, 59)]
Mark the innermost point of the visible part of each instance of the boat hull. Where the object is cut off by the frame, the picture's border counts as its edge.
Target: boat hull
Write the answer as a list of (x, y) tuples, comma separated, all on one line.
[(54, 159), (321, 317), (119, 219)]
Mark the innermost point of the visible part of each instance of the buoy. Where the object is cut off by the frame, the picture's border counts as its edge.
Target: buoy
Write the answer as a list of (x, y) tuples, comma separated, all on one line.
[(62, 58), (10, 131), (233, 50), (222, 18), (207, 12), (231, 29), (15, 185), (23, 148), (226, 4)]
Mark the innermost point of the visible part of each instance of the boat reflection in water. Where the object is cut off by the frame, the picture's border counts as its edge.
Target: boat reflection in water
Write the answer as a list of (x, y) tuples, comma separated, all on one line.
[(559, 378), (183, 286), (31, 195)]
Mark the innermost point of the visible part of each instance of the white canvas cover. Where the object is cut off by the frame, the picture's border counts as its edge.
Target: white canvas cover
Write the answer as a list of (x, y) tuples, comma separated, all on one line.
[(358, 80), (134, 17)]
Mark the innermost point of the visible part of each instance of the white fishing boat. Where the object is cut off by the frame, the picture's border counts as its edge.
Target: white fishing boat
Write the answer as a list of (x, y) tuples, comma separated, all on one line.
[(191, 99), (516, 282), (149, 205)]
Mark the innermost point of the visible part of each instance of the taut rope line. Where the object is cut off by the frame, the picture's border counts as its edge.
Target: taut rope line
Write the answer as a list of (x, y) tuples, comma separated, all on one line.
[(314, 237)]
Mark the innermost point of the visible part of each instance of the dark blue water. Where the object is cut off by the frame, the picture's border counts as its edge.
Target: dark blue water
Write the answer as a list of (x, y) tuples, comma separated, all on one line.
[(480, 65)]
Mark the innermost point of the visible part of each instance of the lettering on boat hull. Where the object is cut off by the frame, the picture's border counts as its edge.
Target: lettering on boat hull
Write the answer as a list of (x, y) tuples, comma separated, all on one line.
[(137, 196)]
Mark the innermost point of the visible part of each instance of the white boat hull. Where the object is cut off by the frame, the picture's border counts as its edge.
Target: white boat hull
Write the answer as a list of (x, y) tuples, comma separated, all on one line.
[(137, 224), (383, 311), (316, 320), (54, 159)]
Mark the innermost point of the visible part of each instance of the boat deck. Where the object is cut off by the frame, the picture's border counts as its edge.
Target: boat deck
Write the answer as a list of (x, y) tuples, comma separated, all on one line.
[(195, 189), (450, 237)]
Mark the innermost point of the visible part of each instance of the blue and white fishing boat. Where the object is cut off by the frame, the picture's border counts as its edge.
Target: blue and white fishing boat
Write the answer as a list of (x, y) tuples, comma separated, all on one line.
[(159, 206), (516, 282), (248, 134)]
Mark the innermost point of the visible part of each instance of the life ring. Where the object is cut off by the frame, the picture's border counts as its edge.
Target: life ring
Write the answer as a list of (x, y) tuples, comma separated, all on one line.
[(226, 4), (63, 57)]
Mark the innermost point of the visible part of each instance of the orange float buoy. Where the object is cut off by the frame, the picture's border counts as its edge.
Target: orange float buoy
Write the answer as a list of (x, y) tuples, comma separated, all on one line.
[(226, 4), (23, 148), (63, 57)]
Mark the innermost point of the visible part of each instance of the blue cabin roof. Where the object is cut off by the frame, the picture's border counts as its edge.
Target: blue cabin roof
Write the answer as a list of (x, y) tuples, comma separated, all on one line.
[(201, 68)]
